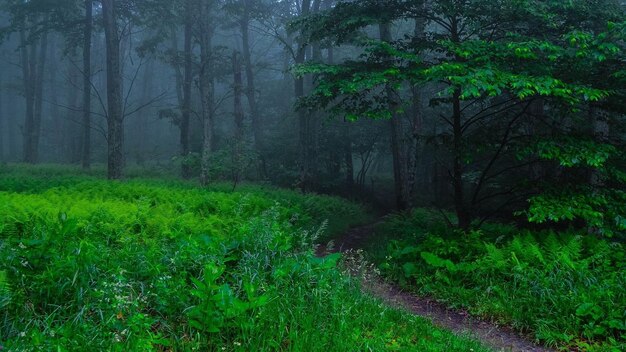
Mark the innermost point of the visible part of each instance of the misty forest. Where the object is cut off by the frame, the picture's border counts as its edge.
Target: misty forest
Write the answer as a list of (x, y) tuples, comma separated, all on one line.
[(313, 175)]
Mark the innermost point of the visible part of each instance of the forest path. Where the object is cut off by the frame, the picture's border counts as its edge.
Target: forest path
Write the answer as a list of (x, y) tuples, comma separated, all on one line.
[(497, 337)]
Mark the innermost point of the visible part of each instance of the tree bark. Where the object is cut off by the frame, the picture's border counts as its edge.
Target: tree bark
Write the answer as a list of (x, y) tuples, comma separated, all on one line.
[(397, 148), (349, 156), (38, 108), (2, 126), (27, 54), (303, 116), (413, 152), (239, 117), (207, 91), (250, 82), (87, 32), (186, 108), (458, 170), (115, 118), (462, 213)]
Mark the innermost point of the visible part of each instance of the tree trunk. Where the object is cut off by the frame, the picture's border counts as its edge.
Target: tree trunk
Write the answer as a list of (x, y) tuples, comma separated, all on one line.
[(70, 135), (462, 213), (27, 54), (207, 91), (413, 152), (87, 31), (397, 148), (250, 85), (349, 156), (115, 118), (186, 108), (38, 108), (303, 116), (239, 116), (3, 128)]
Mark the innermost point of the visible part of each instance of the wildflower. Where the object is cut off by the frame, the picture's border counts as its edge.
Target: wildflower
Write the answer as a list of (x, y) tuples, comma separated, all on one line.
[(237, 343), (22, 246)]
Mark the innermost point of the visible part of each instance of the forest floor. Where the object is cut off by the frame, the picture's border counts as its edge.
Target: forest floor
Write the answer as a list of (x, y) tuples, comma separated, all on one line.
[(497, 337)]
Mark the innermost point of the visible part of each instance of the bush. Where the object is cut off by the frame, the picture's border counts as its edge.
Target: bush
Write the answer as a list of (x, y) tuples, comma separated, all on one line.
[(565, 287)]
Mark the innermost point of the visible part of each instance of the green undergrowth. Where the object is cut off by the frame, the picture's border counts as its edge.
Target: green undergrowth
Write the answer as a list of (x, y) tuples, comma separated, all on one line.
[(140, 265), (567, 288)]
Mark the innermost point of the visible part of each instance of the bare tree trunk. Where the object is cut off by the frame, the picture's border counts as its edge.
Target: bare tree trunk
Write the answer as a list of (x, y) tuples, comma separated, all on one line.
[(38, 109), (70, 136), (33, 64), (55, 139), (3, 128), (115, 118), (186, 108), (239, 116), (303, 116), (349, 156), (397, 148), (314, 118), (27, 54), (413, 152), (462, 212), (250, 85), (87, 31), (207, 90)]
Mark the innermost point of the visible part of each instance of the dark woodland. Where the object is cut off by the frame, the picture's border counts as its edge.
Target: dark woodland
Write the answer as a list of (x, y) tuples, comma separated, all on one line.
[(299, 175)]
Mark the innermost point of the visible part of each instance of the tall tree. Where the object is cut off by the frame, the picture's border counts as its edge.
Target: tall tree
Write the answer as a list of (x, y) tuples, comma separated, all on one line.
[(207, 85), (238, 117), (33, 58), (304, 122), (486, 78), (250, 90), (114, 116), (186, 91), (87, 37), (3, 128)]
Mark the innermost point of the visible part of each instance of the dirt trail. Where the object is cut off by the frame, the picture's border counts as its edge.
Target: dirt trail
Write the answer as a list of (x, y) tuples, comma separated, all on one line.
[(499, 338)]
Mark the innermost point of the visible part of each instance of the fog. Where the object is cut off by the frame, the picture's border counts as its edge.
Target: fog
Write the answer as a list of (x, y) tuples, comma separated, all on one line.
[(361, 99)]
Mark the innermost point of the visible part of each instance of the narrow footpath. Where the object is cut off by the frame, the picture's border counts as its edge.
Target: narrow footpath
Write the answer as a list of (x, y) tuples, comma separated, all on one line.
[(499, 338)]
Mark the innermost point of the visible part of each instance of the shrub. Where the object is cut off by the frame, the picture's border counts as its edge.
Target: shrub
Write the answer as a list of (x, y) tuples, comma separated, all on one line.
[(565, 287)]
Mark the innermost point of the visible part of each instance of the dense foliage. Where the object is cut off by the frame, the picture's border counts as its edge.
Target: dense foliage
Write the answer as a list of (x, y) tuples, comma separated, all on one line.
[(528, 95), (160, 265), (566, 288)]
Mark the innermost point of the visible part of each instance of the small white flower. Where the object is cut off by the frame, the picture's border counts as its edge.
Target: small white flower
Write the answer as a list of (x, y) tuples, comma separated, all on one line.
[(237, 343), (22, 334), (22, 246)]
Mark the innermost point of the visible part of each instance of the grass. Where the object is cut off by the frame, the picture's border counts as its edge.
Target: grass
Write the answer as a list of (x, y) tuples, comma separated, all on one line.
[(162, 265), (567, 288)]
